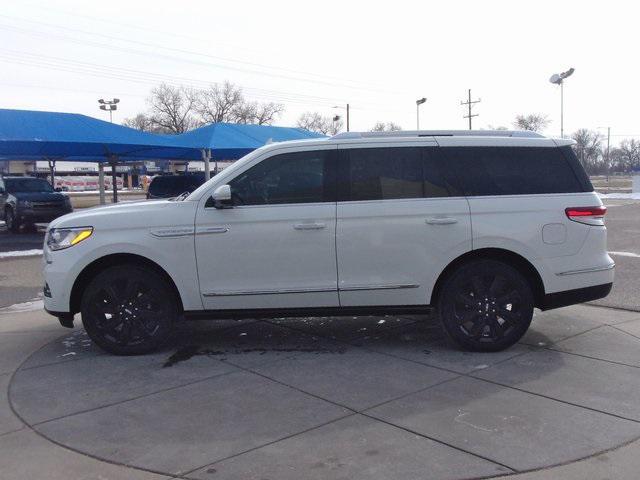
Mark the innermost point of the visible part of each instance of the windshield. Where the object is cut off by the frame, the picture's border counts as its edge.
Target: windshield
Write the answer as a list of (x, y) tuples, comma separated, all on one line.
[(28, 185)]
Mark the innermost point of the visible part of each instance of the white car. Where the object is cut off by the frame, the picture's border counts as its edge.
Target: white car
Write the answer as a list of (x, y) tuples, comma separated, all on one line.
[(482, 226)]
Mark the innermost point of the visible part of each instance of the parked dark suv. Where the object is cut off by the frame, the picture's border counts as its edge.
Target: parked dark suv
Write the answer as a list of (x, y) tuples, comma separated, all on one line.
[(29, 200), (169, 186)]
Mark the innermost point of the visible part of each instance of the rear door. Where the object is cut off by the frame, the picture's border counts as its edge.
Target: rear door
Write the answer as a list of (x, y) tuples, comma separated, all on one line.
[(398, 223)]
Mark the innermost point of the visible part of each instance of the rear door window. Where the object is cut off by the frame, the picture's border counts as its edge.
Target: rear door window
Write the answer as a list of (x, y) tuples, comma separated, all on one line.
[(391, 173), (511, 170)]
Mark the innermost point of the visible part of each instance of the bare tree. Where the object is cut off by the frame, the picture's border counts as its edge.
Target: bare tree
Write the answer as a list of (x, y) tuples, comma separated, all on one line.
[(627, 156), (315, 122), (226, 103), (172, 109), (534, 122), (386, 127), (140, 122), (588, 148)]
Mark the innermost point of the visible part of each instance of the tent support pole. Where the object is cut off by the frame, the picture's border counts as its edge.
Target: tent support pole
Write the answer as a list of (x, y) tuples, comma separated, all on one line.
[(207, 166), (52, 171), (101, 183), (114, 179)]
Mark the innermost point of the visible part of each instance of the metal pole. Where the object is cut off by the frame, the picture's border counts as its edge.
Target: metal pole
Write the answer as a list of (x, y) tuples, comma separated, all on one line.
[(101, 183), (114, 180), (207, 166), (608, 157), (469, 109), (417, 116), (347, 117), (561, 109)]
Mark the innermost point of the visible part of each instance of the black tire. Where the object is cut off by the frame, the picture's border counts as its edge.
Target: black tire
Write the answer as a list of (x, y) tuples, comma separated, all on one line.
[(12, 223), (129, 310), (485, 305)]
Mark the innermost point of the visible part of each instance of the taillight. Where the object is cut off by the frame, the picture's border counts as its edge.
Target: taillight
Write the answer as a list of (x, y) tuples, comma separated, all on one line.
[(587, 215)]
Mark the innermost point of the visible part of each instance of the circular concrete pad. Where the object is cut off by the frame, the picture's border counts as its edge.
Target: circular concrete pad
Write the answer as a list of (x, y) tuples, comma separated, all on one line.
[(365, 397)]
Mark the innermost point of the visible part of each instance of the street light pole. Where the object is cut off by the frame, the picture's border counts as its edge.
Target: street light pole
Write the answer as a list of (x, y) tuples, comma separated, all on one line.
[(558, 79), (419, 102), (109, 106)]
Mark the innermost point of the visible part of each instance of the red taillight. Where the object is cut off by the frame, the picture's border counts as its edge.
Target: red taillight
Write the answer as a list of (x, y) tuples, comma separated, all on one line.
[(585, 214)]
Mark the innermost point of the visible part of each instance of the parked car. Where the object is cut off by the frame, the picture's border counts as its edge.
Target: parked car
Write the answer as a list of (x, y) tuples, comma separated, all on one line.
[(29, 200), (170, 186), (481, 226)]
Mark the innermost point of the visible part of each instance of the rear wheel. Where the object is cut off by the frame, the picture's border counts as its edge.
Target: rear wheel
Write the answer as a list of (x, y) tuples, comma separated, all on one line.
[(129, 310), (11, 221), (486, 305)]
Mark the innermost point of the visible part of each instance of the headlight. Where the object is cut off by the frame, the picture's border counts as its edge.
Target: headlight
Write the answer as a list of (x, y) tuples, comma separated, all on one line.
[(60, 238), (25, 203)]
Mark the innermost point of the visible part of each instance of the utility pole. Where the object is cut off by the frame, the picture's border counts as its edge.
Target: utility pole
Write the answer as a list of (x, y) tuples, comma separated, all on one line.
[(347, 117), (608, 157), (469, 103), (347, 109)]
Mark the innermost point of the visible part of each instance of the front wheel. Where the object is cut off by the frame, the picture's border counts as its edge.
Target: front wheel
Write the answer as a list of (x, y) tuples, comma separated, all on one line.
[(486, 305), (12, 223), (129, 310)]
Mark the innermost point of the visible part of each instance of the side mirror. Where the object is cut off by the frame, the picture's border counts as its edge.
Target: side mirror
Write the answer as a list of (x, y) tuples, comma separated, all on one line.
[(58, 189), (222, 197)]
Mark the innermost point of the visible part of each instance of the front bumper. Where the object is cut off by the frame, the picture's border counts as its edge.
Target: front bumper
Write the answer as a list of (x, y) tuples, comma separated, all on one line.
[(27, 215), (65, 318)]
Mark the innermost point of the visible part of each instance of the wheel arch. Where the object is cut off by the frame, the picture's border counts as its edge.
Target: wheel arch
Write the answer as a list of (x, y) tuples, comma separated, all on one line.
[(513, 259), (91, 270)]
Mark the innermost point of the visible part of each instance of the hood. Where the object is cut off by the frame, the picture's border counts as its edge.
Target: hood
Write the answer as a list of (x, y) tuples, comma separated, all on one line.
[(156, 213), (40, 196)]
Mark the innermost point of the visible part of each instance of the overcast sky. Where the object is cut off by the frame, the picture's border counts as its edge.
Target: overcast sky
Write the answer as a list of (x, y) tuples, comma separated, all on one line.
[(378, 56)]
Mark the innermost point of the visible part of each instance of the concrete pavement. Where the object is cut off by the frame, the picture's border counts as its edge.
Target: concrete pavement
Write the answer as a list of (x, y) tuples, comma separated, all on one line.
[(370, 397)]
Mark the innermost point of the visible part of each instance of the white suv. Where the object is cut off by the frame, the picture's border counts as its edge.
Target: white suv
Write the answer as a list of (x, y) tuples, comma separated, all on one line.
[(483, 226)]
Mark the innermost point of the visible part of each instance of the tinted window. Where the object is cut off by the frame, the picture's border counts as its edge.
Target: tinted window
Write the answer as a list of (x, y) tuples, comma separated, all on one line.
[(31, 185), (512, 170), (171, 185), (393, 173), (300, 177)]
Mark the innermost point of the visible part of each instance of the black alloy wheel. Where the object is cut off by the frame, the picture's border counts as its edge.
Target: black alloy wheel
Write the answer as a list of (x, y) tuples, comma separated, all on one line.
[(486, 305), (129, 310)]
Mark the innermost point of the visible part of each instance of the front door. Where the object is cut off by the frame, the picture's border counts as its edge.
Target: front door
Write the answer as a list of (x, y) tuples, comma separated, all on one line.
[(399, 224), (275, 246)]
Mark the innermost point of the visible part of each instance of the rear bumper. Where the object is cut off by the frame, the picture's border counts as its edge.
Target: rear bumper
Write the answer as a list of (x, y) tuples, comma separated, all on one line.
[(578, 295)]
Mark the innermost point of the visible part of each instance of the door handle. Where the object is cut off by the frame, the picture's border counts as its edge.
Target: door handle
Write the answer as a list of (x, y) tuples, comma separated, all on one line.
[(441, 220), (213, 230), (309, 226)]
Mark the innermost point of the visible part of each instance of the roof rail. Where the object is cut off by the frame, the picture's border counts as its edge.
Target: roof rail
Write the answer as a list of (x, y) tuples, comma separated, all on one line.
[(439, 133)]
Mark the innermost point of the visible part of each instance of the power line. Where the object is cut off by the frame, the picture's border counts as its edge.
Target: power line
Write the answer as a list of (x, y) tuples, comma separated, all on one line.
[(329, 82)]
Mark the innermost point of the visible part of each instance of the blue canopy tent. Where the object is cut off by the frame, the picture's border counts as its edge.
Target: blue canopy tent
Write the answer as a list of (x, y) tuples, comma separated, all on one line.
[(230, 141), (35, 135)]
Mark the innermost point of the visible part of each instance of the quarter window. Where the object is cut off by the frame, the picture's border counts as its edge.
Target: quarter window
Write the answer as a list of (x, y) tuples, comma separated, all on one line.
[(300, 177), (511, 170)]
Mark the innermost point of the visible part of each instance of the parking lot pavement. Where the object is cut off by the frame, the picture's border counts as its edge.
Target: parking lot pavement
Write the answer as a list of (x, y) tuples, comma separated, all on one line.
[(623, 227), (365, 397)]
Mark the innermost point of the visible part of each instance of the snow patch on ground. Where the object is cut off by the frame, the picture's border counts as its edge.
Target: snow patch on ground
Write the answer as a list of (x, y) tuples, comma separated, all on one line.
[(31, 306), (21, 253), (625, 254), (621, 196)]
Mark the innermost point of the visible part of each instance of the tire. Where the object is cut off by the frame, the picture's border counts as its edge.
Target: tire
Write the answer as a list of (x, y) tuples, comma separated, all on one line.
[(485, 305), (12, 223), (129, 310)]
